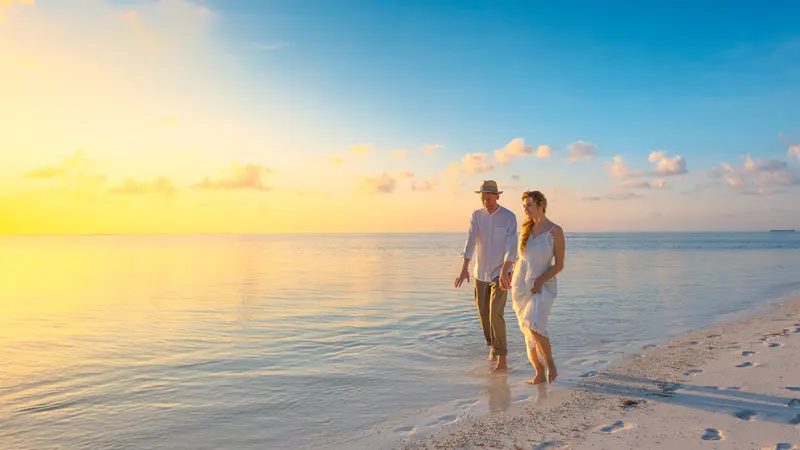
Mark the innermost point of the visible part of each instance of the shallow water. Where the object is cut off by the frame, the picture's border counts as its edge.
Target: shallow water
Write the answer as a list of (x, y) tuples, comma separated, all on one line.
[(302, 341)]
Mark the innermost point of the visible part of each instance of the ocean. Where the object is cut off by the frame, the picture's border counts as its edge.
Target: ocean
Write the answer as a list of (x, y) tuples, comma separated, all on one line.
[(315, 341)]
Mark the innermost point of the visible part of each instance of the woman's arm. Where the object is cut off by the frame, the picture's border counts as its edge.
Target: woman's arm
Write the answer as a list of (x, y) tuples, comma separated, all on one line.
[(559, 244)]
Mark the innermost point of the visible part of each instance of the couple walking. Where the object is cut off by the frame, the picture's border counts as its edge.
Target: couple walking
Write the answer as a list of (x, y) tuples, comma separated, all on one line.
[(527, 266)]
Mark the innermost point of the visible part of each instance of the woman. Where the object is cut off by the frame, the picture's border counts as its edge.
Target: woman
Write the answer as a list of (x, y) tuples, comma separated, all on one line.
[(534, 285)]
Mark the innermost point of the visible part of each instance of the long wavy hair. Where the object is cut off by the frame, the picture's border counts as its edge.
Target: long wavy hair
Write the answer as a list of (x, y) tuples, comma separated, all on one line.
[(527, 227)]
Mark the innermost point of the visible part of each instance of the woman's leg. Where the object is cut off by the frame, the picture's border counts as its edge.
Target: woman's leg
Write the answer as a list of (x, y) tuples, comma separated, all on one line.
[(544, 346), (533, 357)]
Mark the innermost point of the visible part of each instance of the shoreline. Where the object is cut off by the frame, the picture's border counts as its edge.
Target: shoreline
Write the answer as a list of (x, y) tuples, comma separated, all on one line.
[(728, 384)]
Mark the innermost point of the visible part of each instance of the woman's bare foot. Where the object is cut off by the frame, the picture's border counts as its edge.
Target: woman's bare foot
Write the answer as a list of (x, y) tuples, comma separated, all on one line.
[(552, 374), (539, 378)]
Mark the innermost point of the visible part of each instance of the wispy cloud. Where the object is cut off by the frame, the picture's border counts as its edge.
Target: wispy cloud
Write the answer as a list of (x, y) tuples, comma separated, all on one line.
[(474, 163), (643, 184), (336, 161), (612, 197), (619, 168), (431, 148), (248, 176), (514, 149), (580, 150), (381, 184), (666, 166), (65, 167), (159, 186), (361, 150), (423, 185), (760, 177)]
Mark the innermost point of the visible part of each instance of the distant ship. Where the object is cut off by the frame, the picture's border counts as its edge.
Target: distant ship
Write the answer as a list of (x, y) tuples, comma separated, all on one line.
[(781, 231)]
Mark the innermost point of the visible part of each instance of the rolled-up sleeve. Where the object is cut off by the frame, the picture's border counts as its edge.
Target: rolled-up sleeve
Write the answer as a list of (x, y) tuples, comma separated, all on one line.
[(512, 240), (472, 233)]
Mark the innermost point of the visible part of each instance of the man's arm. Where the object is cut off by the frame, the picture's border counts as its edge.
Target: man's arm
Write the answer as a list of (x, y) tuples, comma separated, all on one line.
[(469, 249)]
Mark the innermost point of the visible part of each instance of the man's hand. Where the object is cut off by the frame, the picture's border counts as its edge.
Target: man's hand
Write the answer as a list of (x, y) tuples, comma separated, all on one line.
[(464, 275)]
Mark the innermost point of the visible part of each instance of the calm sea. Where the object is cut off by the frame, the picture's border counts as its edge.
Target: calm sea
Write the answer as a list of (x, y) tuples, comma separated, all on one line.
[(263, 341)]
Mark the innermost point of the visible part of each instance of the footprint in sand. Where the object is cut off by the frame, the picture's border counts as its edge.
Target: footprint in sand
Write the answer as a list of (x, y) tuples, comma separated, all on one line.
[(745, 414), (747, 364), (773, 344), (793, 388), (443, 419), (591, 373), (712, 434), (784, 446), (692, 372), (406, 430), (794, 403), (616, 426), (795, 421), (748, 353), (548, 445), (712, 336)]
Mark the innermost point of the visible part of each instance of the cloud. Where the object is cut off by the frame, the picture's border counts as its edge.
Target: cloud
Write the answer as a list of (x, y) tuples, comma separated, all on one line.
[(612, 197), (642, 184), (248, 176), (336, 161), (67, 166), (666, 166), (634, 184), (580, 150), (759, 177), (514, 149), (381, 184), (423, 185), (431, 148), (475, 163), (619, 168), (160, 186), (361, 150), (515, 177), (544, 152), (404, 174), (399, 153), (794, 151), (271, 46)]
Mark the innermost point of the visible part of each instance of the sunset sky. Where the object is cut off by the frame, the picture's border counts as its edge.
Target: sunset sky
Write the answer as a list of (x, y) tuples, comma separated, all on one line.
[(179, 116)]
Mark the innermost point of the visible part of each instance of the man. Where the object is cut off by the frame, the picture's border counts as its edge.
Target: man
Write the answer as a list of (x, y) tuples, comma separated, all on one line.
[(493, 229)]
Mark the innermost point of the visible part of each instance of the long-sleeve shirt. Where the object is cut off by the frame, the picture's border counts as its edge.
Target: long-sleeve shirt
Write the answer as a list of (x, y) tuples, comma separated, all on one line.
[(495, 236)]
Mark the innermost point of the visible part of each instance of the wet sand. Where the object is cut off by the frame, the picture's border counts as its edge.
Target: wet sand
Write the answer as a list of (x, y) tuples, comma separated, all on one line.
[(731, 385)]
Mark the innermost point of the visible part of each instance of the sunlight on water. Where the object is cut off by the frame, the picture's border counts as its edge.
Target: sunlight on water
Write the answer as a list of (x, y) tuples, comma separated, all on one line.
[(298, 341)]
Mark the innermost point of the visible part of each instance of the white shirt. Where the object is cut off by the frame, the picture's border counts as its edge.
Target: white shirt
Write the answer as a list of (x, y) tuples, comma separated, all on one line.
[(495, 235)]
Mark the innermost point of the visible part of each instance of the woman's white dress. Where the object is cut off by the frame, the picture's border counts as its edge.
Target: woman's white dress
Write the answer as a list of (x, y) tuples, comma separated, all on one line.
[(532, 309)]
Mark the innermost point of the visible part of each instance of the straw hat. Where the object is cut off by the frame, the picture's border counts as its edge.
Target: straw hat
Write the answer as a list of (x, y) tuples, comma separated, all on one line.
[(489, 186)]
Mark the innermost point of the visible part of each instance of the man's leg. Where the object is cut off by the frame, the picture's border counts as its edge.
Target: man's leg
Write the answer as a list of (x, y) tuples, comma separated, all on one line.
[(482, 302), (497, 309)]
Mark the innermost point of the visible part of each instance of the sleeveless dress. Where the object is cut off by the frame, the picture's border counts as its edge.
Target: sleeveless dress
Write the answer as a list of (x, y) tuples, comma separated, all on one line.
[(532, 309)]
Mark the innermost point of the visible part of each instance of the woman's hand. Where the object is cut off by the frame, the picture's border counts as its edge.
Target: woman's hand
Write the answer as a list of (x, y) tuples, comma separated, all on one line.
[(537, 286)]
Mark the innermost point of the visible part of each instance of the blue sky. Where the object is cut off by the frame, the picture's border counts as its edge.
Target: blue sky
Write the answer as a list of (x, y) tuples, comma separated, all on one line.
[(708, 80), (296, 85)]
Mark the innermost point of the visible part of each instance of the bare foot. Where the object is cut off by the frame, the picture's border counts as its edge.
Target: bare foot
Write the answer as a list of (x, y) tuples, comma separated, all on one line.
[(539, 378), (501, 365), (552, 375)]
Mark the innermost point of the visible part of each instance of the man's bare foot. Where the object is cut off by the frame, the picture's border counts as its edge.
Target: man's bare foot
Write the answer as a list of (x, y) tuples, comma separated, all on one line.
[(539, 378), (492, 355), (501, 365), (552, 374)]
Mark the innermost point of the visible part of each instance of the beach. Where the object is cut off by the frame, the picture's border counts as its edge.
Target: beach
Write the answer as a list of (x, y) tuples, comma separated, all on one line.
[(732, 385)]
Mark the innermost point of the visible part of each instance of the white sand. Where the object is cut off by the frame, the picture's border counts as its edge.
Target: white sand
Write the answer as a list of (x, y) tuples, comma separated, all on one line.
[(690, 392)]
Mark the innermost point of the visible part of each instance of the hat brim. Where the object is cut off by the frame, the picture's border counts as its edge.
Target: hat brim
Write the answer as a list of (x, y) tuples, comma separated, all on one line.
[(489, 192)]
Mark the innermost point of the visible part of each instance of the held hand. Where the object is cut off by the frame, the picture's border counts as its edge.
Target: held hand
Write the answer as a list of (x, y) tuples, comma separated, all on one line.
[(537, 287), (505, 281), (464, 275)]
